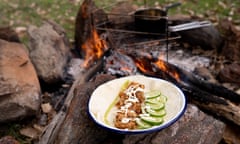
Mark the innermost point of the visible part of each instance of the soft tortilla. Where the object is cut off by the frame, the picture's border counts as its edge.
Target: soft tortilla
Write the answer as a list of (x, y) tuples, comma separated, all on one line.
[(106, 93)]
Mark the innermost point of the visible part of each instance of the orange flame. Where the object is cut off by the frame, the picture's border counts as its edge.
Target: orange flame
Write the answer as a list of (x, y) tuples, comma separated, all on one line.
[(94, 48), (145, 66), (141, 66), (161, 65)]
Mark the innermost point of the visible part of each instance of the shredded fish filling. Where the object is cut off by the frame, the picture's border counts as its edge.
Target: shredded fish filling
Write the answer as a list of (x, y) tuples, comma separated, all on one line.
[(129, 106)]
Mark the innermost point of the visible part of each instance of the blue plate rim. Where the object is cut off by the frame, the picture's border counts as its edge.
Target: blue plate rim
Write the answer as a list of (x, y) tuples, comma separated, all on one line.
[(152, 129)]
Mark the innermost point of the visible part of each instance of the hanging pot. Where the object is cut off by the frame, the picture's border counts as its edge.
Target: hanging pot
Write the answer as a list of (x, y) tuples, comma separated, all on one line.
[(152, 20)]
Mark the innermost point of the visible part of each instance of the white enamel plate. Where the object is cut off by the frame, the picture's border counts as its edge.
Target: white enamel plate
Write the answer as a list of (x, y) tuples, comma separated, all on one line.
[(104, 96)]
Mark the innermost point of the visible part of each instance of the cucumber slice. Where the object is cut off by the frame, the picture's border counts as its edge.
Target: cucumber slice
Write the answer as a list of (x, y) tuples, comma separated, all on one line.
[(152, 120), (159, 113), (156, 106), (142, 124), (152, 94), (162, 99), (152, 101), (157, 99)]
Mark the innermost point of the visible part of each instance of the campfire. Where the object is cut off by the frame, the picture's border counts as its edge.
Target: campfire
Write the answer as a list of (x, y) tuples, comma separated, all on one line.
[(110, 45), (115, 49), (93, 48)]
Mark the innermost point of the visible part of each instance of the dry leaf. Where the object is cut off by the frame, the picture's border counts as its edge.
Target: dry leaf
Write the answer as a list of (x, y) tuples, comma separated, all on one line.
[(46, 107), (29, 132)]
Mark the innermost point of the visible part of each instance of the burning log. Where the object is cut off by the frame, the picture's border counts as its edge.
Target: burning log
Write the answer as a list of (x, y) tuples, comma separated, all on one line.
[(119, 64), (212, 97), (89, 44)]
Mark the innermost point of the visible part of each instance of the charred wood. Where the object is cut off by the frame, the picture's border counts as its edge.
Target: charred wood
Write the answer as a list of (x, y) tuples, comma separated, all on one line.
[(206, 95), (88, 14)]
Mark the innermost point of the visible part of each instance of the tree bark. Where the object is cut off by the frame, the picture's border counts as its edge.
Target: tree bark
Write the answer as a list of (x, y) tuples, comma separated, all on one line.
[(52, 130)]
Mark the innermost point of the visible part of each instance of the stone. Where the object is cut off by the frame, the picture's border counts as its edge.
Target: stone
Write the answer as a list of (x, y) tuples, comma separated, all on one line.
[(19, 86), (49, 51)]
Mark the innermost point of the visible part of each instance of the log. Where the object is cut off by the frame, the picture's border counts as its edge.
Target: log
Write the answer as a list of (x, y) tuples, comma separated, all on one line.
[(83, 24), (51, 131), (88, 15), (77, 127), (211, 97)]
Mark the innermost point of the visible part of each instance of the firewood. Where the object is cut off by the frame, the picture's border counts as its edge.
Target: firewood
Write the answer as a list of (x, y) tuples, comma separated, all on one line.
[(212, 97), (77, 126), (88, 15), (52, 130)]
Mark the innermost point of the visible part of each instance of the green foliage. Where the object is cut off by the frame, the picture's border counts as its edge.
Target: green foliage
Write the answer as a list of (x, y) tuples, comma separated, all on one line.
[(12, 129), (23, 13), (17, 13)]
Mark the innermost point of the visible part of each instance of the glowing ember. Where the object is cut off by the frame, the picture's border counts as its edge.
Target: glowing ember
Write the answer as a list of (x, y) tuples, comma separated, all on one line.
[(94, 48), (141, 67), (126, 69), (145, 65), (162, 65)]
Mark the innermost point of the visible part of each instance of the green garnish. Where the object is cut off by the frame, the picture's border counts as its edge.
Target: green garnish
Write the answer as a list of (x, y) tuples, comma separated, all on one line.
[(152, 94), (152, 120), (153, 109), (124, 86)]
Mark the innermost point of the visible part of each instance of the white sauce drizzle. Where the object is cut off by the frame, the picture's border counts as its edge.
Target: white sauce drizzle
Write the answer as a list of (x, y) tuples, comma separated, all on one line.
[(125, 120), (132, 98)]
